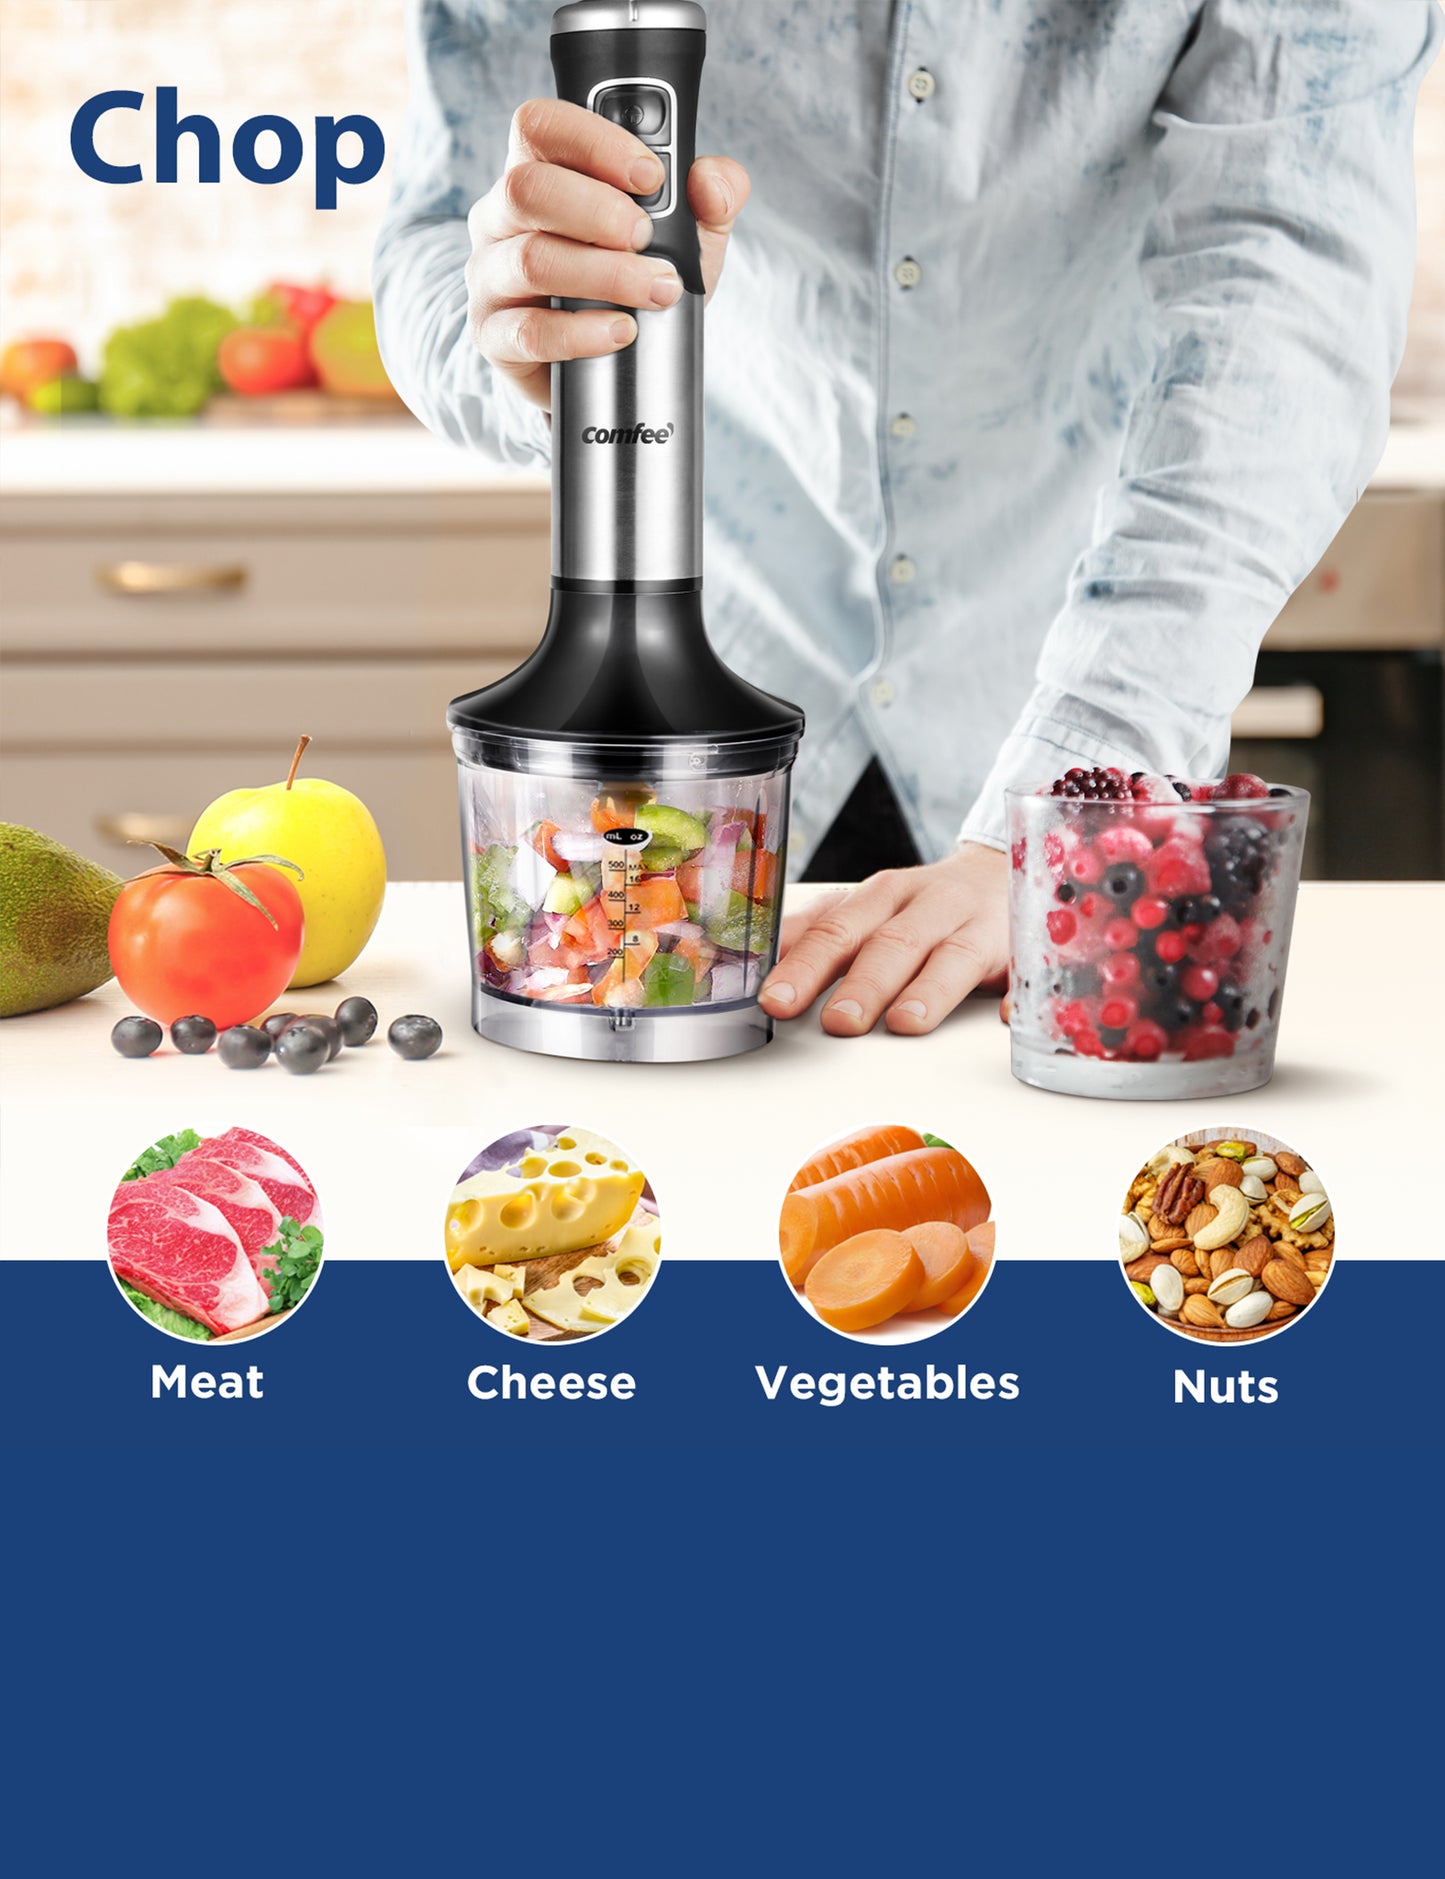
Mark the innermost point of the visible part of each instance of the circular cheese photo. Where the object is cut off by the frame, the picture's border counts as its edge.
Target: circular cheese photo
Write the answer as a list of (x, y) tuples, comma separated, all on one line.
[(215, 1238), (553, 1234)]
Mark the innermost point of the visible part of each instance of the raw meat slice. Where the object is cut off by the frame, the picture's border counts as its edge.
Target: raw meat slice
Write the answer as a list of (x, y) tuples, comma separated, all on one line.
[(180, 1249), (270, 1167), (244, 1202)]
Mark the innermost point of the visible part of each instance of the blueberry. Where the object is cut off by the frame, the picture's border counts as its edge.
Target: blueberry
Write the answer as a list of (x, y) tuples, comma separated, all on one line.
[(277, 1023), (1199, 909), (1278, 790), (244, 1047), (1124, 882), (1159, 978), (193, 1036), (414, 1036), (328, 1027), (1178, 1013), (357, 1018), (1181, 790), (1066, 891), (136, 1037), (1230, 1001), (302, 1049)]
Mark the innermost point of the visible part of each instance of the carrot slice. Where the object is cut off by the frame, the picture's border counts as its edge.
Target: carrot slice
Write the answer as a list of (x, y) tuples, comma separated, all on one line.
[(897, 1192), (865, 1280), (980, 1245), (853, 1151), (946, 1256)]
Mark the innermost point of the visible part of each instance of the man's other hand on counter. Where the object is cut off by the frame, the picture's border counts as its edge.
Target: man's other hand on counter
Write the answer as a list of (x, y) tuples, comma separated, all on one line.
[(908, 944)]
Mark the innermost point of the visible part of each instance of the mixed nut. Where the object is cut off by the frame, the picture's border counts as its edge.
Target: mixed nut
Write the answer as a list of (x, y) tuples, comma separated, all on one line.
[(1225, 1240)]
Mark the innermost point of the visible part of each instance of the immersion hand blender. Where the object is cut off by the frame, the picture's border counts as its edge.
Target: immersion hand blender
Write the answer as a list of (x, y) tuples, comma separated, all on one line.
[(624, 795)]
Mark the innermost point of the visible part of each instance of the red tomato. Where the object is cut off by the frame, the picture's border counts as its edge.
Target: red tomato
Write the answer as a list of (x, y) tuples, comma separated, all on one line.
[(187, 945), (302, 306), (30, 363), (258, 360)]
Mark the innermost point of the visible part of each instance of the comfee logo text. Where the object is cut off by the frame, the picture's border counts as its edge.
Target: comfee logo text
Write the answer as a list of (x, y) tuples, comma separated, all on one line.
[(635, 434)]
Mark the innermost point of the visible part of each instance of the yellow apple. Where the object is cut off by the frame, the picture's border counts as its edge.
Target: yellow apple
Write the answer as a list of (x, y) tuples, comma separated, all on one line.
[(331, 837)]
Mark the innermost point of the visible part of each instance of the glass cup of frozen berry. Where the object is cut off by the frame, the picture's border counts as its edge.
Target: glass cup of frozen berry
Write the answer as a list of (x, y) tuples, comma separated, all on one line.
[(1150, 921)]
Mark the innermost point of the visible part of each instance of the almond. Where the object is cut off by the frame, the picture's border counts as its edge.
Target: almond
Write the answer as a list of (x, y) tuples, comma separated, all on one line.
[(1212, 1173), (1287, 1282), (1255, 1255), (1138, 1270), (1290, 1164), (1196, 1285), (1183, 1257), (1291, 1254), (1199, 1218), (1285, 1184), (1198, 1311), (1224, 1259), (1280, 1309)]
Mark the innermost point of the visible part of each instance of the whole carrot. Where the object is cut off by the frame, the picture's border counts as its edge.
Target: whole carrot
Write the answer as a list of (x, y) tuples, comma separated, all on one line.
[(899, 1192), (863, 1145)]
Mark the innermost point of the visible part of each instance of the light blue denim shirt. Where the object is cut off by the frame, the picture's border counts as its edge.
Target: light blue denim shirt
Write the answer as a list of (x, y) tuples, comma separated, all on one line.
[(1051, 351)]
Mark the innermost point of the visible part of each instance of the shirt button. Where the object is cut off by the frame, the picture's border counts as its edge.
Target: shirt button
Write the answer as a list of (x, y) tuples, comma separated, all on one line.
[(883, 691), (903, 425), (908, 273), (902, 571), (921, 84)]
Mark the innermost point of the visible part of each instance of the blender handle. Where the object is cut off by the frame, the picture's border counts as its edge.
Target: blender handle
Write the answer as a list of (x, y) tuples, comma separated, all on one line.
[(608, 57)]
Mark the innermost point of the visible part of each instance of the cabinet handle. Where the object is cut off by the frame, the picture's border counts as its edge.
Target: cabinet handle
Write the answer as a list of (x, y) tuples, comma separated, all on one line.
[(134, 825), (160, 577)]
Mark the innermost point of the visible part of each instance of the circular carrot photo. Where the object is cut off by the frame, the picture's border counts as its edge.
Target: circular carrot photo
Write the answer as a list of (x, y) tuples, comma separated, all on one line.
[(886, 1235), (215, 1238), (553, 1234)]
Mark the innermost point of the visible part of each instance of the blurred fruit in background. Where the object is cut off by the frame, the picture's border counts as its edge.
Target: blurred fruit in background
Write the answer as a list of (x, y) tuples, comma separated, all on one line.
[(345, 353), (61, 397), (286, 304), (259, 360), (31, 363)]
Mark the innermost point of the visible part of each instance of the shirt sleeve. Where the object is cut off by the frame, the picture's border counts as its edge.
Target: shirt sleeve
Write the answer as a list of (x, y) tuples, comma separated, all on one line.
[(466, 81), (1278, 266)]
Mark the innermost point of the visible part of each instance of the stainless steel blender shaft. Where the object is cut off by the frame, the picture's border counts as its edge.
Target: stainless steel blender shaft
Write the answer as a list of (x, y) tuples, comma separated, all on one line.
[(627, 457)]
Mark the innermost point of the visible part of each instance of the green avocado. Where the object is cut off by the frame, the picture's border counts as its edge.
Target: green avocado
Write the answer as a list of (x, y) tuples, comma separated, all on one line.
[(54, 914), (673, 828)]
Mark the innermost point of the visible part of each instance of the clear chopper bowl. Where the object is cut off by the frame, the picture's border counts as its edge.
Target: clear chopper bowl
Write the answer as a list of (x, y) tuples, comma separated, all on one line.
[(608, 896)]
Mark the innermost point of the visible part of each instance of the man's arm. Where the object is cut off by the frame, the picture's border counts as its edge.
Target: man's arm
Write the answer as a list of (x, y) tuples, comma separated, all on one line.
[(1279, 264)]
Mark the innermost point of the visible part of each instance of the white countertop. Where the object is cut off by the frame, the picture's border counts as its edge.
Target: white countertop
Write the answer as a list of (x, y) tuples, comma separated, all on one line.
[(1357, 1091), (79, 456)]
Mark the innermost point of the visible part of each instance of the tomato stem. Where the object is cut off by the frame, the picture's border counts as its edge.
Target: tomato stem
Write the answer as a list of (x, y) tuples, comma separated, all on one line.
[(296, 760)]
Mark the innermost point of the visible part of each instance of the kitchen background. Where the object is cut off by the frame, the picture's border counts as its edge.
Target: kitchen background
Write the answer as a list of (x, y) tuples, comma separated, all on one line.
[(182, 598)]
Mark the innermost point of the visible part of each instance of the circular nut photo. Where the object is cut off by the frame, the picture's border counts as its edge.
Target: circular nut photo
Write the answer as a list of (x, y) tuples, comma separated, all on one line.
[(1226, 1235), (886, 1235), (553, 1234), (215, 1238)]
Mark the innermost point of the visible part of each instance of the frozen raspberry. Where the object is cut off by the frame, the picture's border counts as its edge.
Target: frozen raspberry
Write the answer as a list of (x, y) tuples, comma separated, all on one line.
[(1200, 982), (1059, 844), (1062, 926), (1208, 1041), (1240, 786), (1092, 905), (1220, 941), (1019, 855), (1120, 935), (1084, 866), (1146, 1040), (1119, 971), (1123, 842), (1077, 1016), (1090, 1044), (1146, 788), (1177, 869), (1171, 947), (1191, 829), (1118, 1013)]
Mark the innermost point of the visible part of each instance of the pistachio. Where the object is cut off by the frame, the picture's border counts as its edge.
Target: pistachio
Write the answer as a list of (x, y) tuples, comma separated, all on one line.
[(1172, 1157), (1253, 1188), (1142, 1292), (1168, 1284), (1261, 1165), (1133, 1236), (1235, 1151), (1230, 1287), (1310, 1182), (1309, 1212), (1245, 1313), (1231, 1218)]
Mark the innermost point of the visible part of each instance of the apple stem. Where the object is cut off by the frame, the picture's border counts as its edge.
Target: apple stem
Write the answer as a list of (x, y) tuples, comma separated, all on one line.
[(296, 760)]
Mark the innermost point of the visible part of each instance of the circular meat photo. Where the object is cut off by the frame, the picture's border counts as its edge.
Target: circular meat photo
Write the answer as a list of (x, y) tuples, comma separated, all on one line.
[(1226, 1236), (886, 1235), (553, 1234), (215, 1238)]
